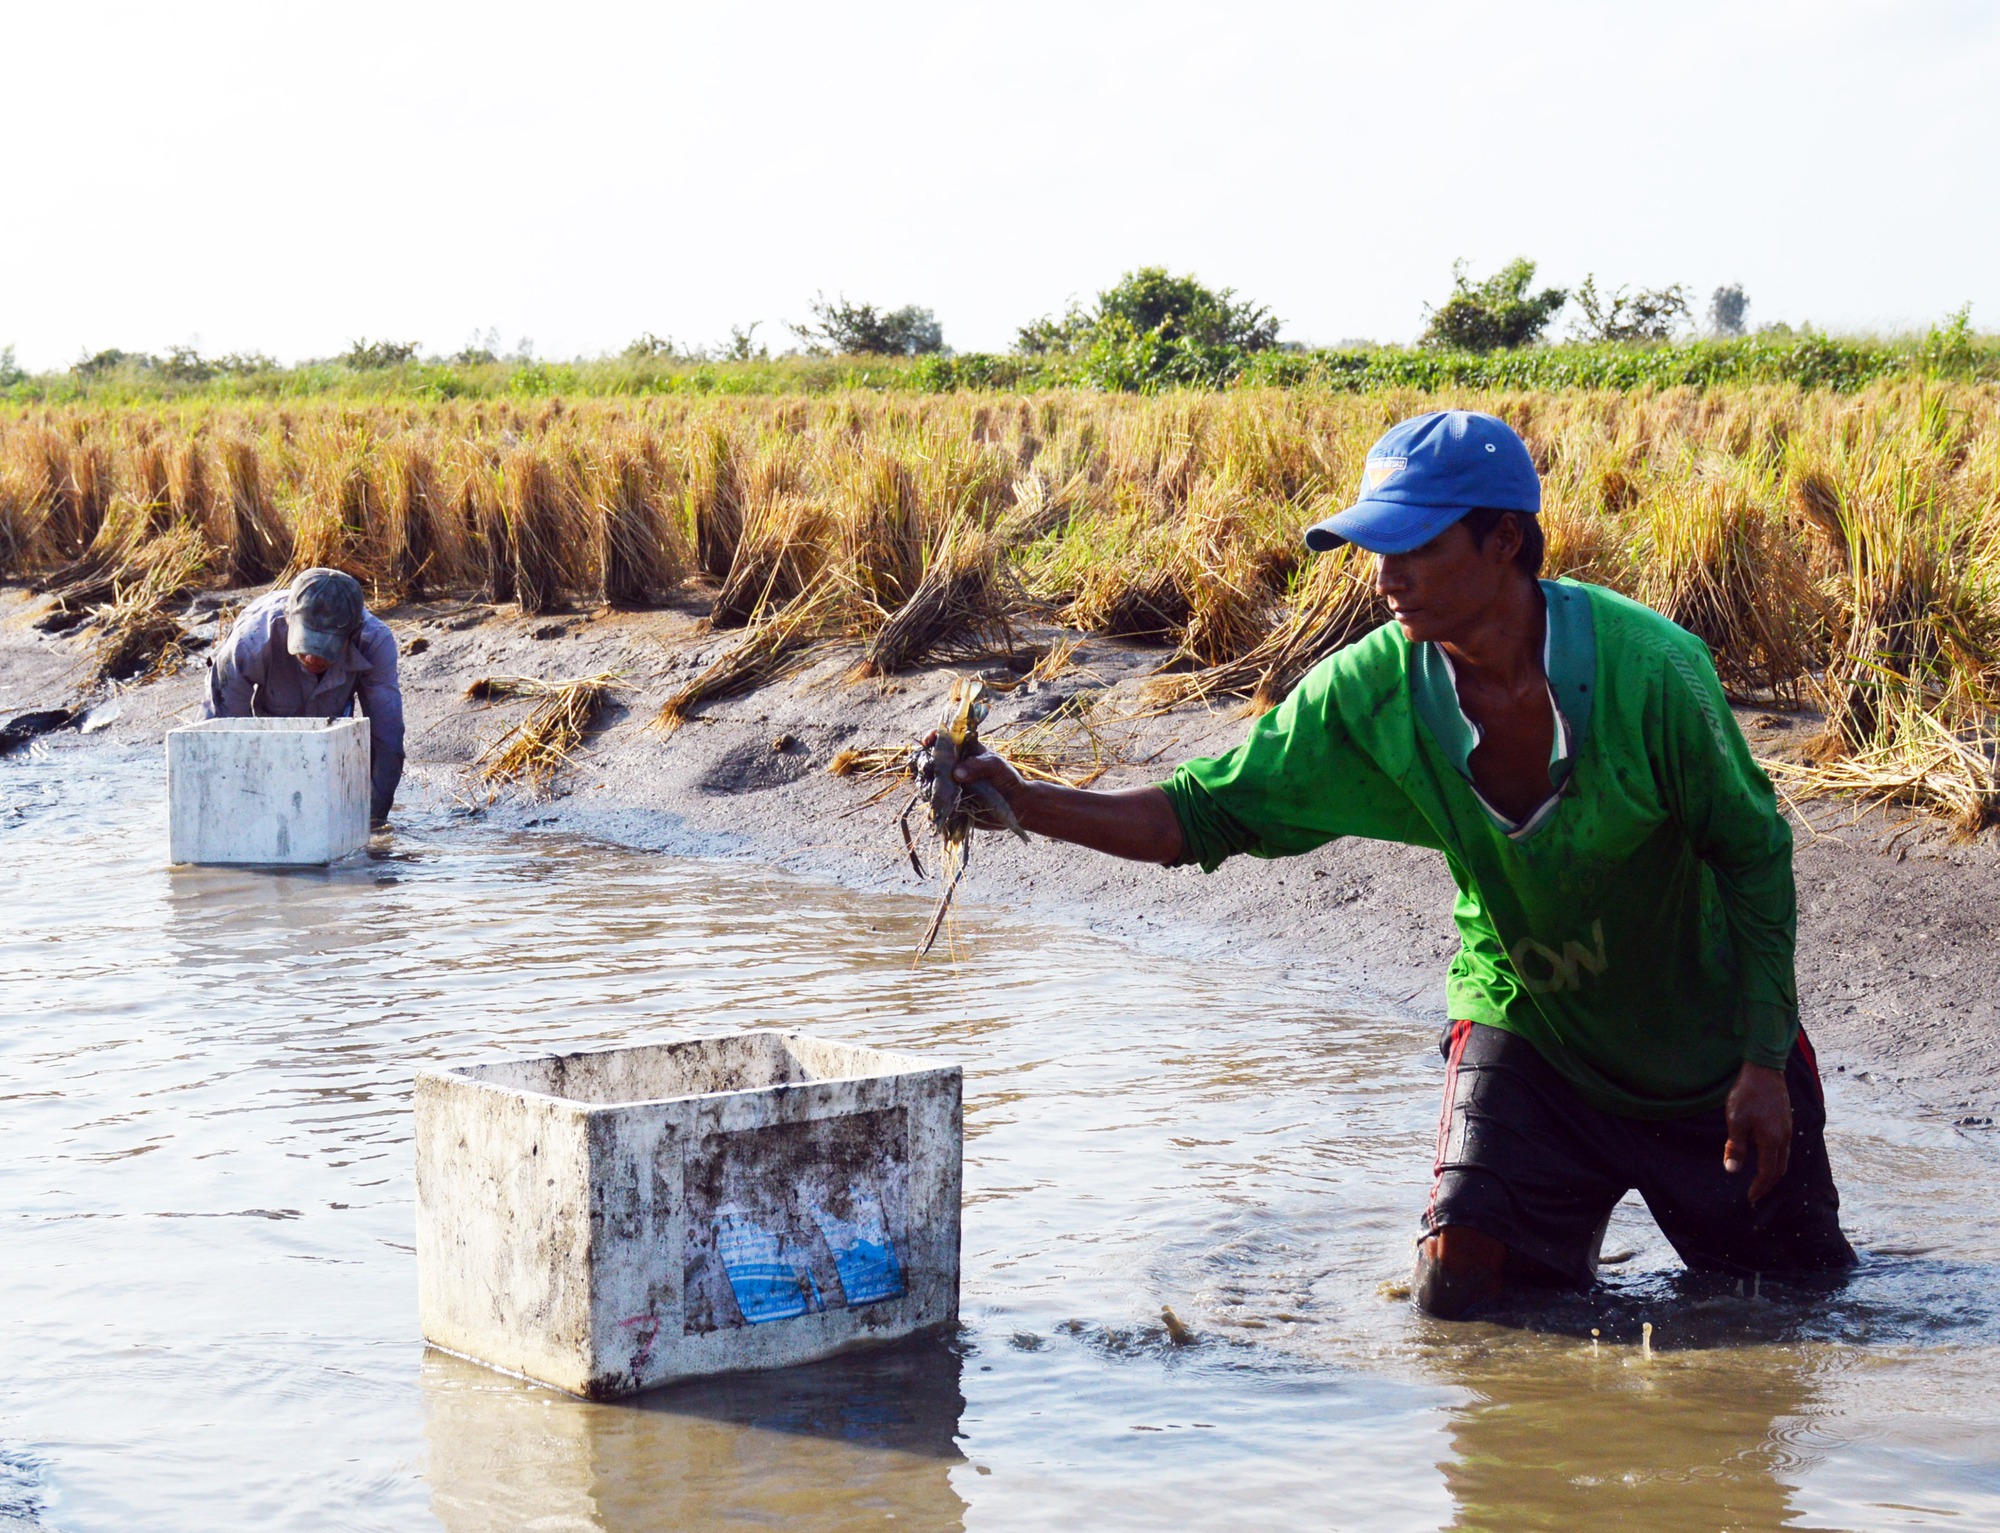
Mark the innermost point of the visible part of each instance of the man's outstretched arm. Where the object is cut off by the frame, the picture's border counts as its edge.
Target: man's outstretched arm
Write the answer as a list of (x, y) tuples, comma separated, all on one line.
[(1138, 823)]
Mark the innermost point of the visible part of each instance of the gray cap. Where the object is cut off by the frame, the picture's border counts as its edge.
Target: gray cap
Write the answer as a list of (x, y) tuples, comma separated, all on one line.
[(323, 612)]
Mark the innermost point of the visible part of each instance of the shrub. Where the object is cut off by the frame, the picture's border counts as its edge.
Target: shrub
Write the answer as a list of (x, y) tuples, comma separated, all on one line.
[(478, 351), (650, 348), (1950, 349), (1647, 315), (860, 329), (1155, 330), (1497, 314), (185, 365), (1149, 301), (1153, 302), (1726, 308), (371, 356), (437, 381), (102, 363), (742, 345), (535, 380)]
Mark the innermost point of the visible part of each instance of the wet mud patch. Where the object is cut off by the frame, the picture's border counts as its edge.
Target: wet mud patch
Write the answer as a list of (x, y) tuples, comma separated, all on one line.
[(757, 766)]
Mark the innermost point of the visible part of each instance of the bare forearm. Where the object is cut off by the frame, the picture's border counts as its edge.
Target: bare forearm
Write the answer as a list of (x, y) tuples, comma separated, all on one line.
[(1138, 823)]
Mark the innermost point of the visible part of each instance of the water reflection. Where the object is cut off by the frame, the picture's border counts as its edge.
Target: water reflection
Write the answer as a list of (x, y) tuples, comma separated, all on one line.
[(275, 917), (1611, 1437), (869, 1437)]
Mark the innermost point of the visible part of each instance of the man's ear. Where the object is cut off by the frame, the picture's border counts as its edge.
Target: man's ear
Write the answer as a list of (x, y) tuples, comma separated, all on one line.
[(1504, 542)]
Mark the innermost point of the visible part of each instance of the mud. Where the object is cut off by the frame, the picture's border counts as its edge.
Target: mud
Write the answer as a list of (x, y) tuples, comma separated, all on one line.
[(1899, 926)]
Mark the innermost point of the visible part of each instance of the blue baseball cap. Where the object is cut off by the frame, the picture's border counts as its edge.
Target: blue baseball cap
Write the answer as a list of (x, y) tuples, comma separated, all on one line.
[(1425, 474)]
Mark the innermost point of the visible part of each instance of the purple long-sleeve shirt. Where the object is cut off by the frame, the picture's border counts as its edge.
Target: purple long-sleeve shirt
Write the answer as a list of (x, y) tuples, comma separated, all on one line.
[(254, 674)]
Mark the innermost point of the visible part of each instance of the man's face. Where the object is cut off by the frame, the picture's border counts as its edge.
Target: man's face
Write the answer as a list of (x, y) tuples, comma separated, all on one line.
[(1439, 592), (313, 664)]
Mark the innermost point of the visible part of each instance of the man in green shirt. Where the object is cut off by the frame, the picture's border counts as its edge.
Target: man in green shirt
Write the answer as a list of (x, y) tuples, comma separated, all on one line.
[(1625, 1009)]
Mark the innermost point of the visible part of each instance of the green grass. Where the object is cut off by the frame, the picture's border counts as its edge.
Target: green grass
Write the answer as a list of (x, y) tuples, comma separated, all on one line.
[(1145, 364)]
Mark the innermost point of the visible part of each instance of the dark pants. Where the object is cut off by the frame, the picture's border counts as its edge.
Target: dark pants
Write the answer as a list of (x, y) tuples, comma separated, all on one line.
[(1523, 1158)]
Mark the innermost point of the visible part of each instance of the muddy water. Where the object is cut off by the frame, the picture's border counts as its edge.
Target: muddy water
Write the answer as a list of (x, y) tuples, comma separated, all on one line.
[(207, 1285)]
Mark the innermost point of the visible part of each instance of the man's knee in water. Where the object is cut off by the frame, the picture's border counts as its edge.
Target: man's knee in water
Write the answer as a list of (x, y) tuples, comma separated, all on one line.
[(1457, 1268)]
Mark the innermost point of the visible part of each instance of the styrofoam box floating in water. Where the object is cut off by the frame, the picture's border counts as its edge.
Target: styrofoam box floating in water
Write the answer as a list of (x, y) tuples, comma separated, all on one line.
[(611, 1221), (279, 791)]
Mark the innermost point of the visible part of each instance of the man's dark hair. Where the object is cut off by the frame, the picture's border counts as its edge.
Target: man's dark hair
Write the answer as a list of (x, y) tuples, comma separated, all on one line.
[(1481, 520)]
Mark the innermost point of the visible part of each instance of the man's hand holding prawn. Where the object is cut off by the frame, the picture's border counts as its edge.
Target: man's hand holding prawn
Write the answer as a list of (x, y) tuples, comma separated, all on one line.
[(1135, 823)]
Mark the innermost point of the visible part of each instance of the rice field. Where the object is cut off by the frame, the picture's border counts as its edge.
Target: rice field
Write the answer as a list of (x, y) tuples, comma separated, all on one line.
[(1839, 551)]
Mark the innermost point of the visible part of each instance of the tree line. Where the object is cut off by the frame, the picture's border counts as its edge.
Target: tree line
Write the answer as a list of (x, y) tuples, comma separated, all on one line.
[(1152, 329)]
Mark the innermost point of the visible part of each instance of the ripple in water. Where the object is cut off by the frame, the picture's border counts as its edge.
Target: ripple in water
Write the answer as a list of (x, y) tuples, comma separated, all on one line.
[(210, 1288)]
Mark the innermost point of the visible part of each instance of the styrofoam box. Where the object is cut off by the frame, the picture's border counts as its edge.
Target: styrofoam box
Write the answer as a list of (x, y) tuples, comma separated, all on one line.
[(610, 1221), (278, 791)]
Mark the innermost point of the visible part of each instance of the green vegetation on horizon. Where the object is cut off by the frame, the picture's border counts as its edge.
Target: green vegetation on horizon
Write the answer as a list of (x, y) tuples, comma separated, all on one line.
[(1151, 332), (1809, 361)]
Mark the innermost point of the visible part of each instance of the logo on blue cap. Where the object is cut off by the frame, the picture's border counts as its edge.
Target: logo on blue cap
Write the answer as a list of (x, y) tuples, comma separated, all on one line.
[(1426, 473), (1378, 471)]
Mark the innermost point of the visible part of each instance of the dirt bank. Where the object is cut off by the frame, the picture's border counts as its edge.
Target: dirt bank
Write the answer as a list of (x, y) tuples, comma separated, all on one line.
[(1899, 928)]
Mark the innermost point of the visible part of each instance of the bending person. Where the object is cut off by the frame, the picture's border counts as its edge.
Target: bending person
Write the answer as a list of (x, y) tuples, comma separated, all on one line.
[(1624, 1002), (313, 650)]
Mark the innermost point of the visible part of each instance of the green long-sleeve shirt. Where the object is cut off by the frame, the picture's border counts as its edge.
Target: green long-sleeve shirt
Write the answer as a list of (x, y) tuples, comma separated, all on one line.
[(1639, 931)]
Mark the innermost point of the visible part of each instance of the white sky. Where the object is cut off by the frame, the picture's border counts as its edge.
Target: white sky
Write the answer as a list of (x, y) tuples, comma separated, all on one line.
[(286, 177)]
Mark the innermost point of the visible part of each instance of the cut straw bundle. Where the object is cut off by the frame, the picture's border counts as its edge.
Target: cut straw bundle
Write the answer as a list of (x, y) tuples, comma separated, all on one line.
[(964, 602), (1581, 544), (715, 500), (1041, 506), (639, 558), (542, 743), (1718, 564), (1951, 773), (1336, 604), (145, 497), (193, 489), (477, 502), (336, 504), (773, 648), (258, 539), (1147, 606), (417, 536), (131, 533), (881, 527), (1220, 571), (777, 557), (64, 484), (86, 581), (136, 636), (1916, 627), (538, 521)]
